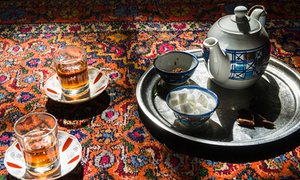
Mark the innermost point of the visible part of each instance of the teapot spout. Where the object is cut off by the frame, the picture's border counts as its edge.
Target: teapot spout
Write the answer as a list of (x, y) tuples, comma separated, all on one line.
[(259, 13), (218, 63)]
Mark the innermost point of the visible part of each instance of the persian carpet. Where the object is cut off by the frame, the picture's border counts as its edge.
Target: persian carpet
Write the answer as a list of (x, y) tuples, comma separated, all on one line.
[(122, 39)]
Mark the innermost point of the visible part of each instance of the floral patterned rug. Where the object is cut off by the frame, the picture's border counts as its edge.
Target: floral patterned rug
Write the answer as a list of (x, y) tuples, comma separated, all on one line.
[(122, 39)]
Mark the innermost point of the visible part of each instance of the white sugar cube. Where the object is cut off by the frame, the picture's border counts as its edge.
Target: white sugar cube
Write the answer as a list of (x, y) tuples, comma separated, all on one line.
[(201, 108), (177, 108), (191, 98), (191, 101), (195, 92), (196, 111), (174, 94), (211, 103), (182, 97), (202, 99), (174, 101), (188, 107)]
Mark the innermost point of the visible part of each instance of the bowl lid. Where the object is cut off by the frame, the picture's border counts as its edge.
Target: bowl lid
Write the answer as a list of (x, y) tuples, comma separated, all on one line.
[(239, 23)]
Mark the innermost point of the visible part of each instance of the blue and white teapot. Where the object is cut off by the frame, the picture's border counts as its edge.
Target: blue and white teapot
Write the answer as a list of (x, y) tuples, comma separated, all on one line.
[(237, 48)]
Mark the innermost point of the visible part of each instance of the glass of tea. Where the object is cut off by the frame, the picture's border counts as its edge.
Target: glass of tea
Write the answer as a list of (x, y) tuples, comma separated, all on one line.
[(72, 70), (37, 136)]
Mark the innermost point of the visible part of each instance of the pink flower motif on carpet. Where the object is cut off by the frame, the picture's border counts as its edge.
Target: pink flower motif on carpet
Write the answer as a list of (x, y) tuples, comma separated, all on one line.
[(15, 50), (165, 48), (180, 26), (106, 159)]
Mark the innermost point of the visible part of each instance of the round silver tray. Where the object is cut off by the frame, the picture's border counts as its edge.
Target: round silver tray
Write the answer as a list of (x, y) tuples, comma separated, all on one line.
[(276, 96)]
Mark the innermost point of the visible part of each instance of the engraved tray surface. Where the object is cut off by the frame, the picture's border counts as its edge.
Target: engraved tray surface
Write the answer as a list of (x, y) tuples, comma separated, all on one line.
[(276, 96)]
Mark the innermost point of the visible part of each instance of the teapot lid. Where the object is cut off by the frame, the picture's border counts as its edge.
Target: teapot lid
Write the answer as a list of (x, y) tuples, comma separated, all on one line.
[(239, 23)]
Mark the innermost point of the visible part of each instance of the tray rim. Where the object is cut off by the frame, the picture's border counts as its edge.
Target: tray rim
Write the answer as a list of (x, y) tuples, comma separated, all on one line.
[(161, 125)]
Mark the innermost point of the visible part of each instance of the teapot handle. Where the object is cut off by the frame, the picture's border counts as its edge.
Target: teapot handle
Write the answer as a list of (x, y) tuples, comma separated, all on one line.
[(259, 13)]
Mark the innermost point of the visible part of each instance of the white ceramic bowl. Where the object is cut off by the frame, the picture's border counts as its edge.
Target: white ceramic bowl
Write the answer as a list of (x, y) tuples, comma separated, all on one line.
[(167, 64), (193, 120)]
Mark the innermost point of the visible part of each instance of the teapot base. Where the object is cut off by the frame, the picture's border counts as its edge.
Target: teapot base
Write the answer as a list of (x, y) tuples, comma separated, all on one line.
[(236, 84)]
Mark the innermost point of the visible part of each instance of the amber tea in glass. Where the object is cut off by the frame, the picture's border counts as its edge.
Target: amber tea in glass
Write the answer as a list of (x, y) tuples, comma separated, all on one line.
[(72, 70), (37, 135)]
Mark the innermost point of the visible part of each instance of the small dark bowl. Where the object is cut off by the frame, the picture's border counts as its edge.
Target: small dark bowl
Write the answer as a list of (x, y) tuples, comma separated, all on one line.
[(167, 64), (193, 121)]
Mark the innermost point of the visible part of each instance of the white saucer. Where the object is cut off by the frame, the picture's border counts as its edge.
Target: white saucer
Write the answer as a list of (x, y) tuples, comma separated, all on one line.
[(97, 82), (70, 155)]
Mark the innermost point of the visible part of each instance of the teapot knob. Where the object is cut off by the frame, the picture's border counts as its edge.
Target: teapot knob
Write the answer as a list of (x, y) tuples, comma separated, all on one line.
[(241, 19), (240, 12)]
